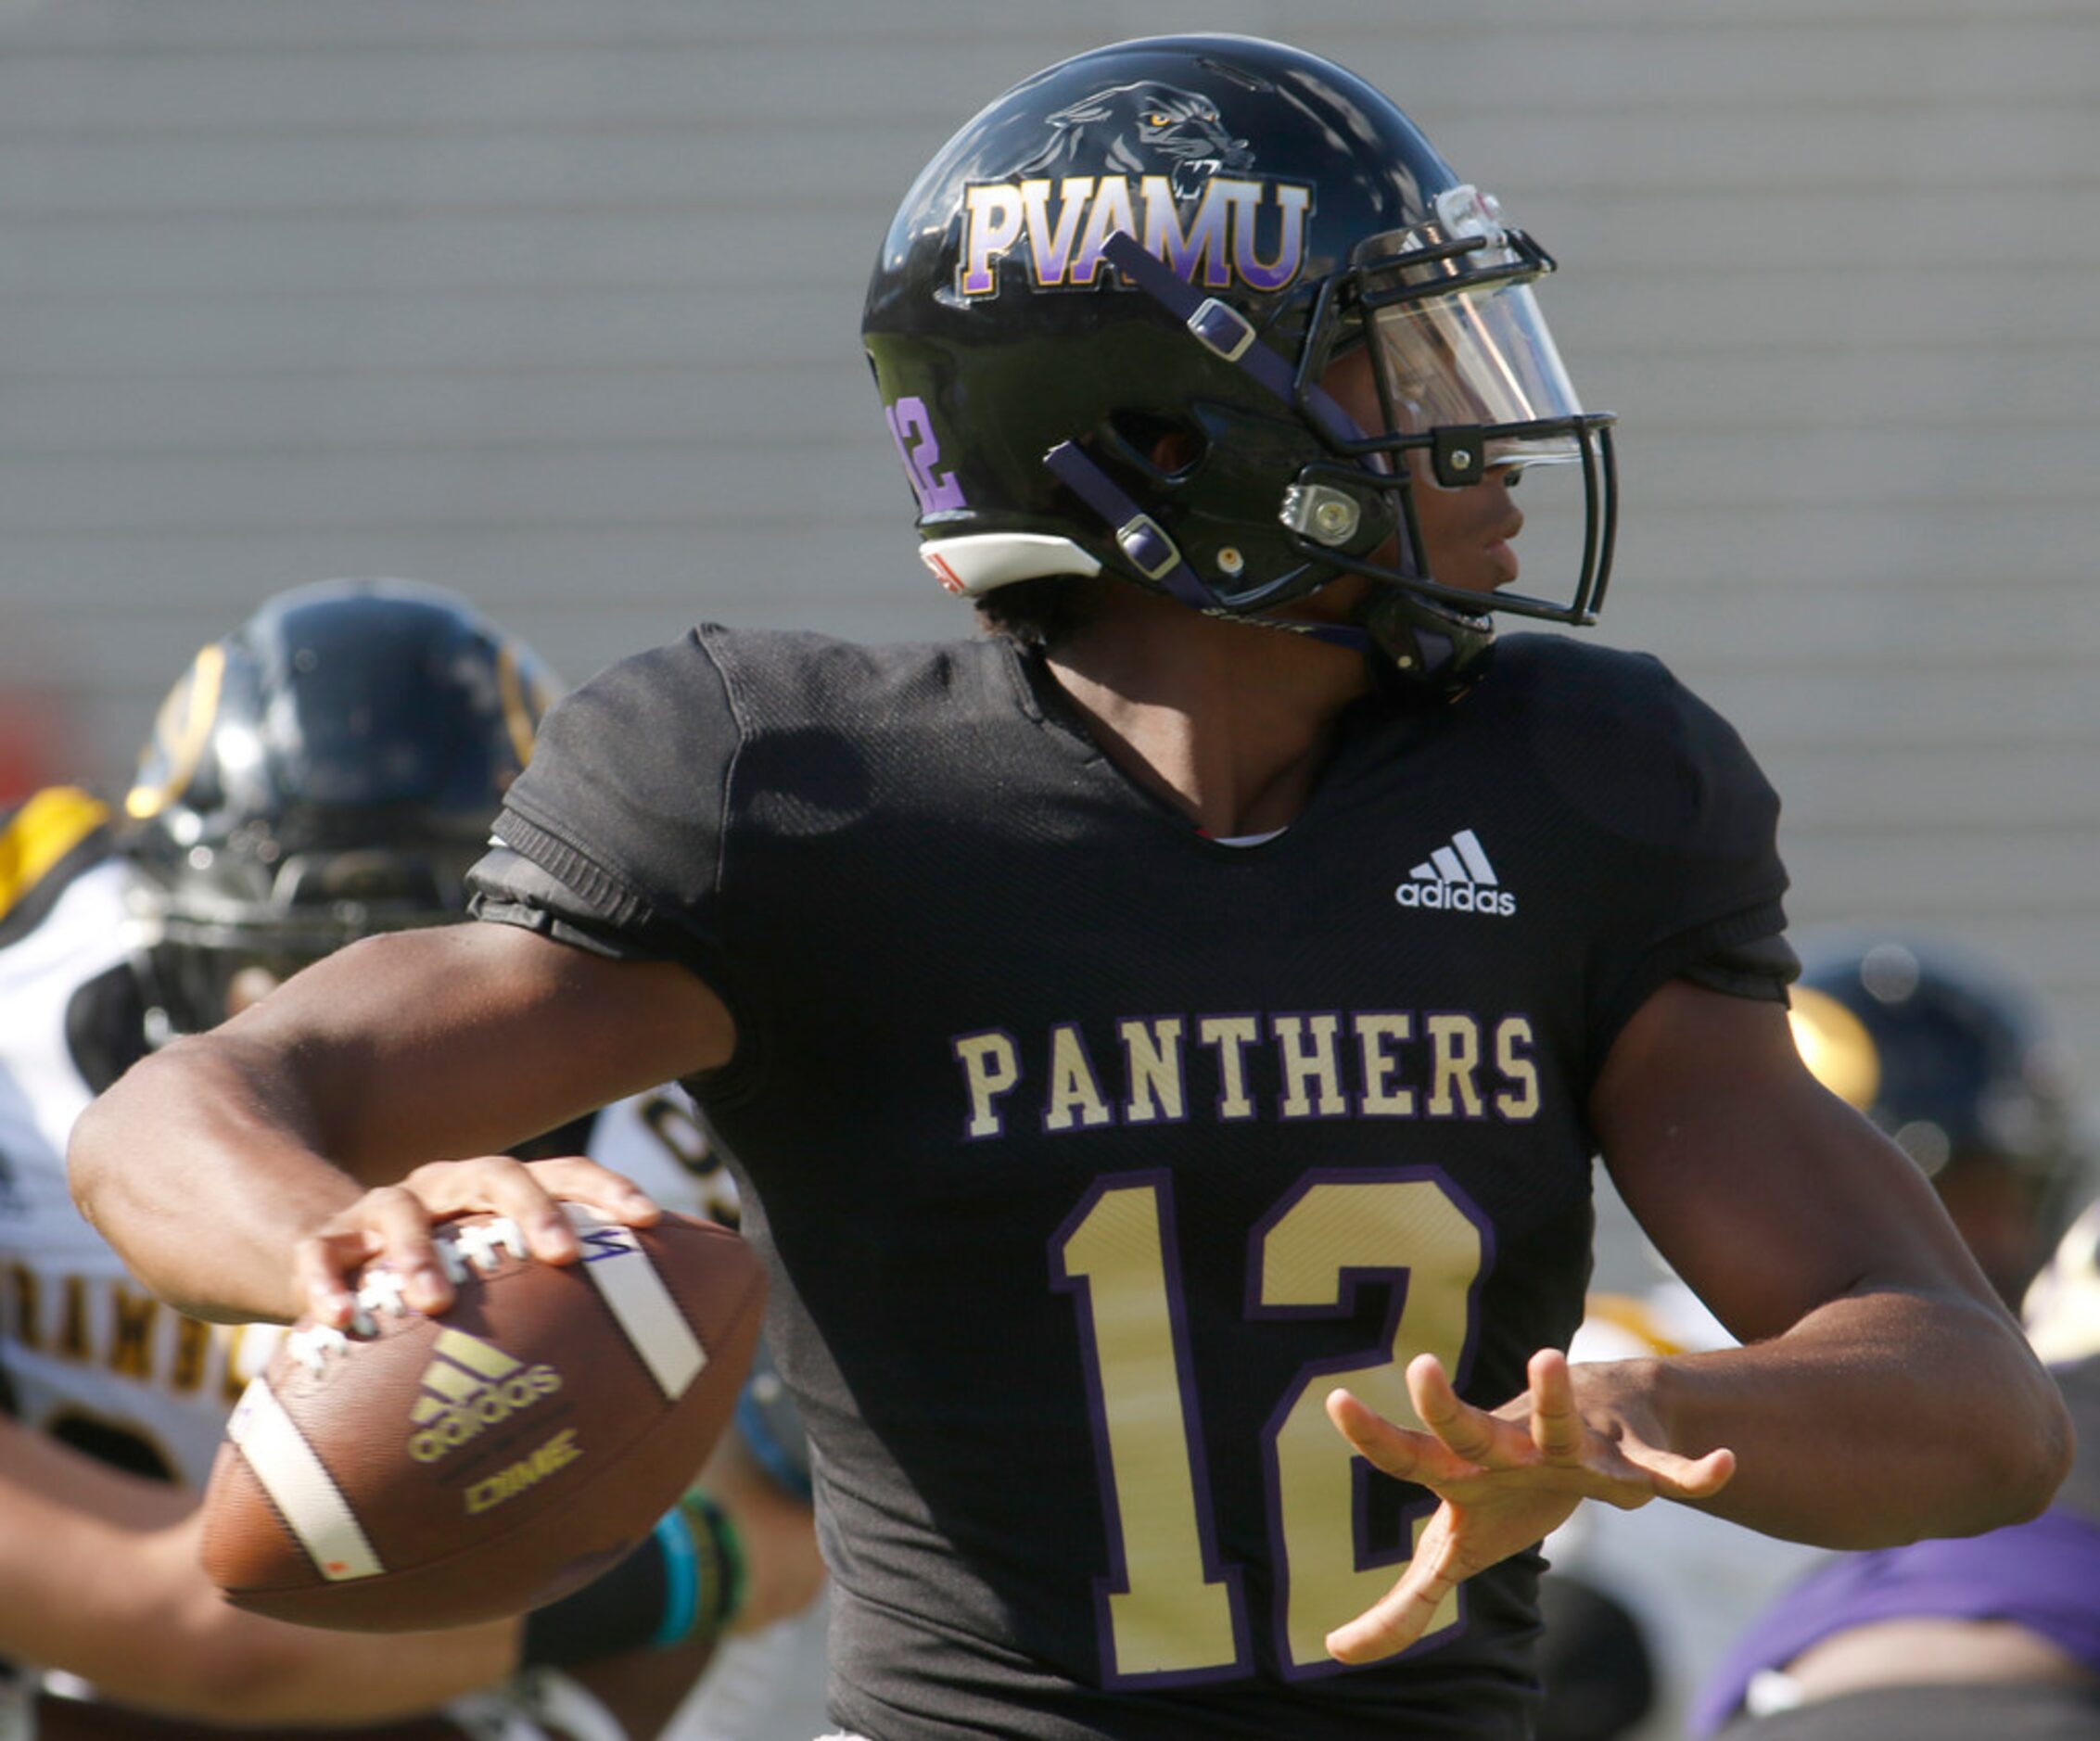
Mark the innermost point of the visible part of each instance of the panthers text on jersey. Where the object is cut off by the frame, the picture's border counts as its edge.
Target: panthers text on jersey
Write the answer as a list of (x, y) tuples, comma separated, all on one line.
[(1090, 1154)]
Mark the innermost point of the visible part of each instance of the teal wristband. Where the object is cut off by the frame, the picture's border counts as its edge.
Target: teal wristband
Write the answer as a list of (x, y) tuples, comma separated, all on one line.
[(722, 1577), (682, 1579), (668, 1591)]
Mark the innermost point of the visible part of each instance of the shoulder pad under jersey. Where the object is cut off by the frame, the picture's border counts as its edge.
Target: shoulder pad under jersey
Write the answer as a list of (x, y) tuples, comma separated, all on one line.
[(43, 842)]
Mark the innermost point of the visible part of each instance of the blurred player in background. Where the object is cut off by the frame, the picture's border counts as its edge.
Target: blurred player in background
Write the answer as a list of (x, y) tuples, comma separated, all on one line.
[(1961, 1069), (326, 771), (99, 1586), (1179, 1027), (1995, 1635)]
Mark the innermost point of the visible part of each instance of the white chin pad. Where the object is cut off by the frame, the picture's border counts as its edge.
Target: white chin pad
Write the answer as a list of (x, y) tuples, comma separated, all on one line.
[(976, 563)]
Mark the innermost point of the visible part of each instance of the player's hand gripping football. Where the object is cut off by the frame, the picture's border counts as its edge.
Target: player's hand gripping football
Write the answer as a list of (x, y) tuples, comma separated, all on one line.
[(393, 1222), (1505, 1477)]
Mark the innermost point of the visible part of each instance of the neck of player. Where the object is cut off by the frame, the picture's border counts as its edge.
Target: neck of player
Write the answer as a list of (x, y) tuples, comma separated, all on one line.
[(1229, 723)]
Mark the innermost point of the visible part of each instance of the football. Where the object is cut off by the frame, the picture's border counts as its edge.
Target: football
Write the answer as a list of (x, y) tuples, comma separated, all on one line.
[(415, 1472)]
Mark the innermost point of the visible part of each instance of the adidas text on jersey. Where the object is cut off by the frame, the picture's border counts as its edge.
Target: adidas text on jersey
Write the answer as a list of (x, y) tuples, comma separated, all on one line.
[(1457, 879)]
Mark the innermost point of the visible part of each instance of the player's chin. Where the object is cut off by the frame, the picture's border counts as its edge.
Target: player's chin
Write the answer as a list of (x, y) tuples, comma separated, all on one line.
[(1484, 569)]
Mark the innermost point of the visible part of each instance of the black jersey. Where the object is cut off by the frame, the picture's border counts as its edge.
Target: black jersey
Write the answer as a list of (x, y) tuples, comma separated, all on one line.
[(1089, 1154)]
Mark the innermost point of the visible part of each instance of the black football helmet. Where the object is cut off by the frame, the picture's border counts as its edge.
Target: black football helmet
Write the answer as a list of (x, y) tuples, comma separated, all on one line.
[(1176, 237), (329, 769), (1956, 1065)]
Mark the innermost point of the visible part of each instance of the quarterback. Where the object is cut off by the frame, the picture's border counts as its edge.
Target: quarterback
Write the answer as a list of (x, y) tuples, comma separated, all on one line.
[(1176, 1231)]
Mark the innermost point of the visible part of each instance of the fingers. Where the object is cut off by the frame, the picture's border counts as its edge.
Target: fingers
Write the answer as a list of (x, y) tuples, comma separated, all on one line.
[(1675, 1476), (1408, 1456), (1472, 1433), (614, 1194), (1558, 1428), (322, 1267), (531, 1194), (1404, 1612), (1544, 1429), (392, 1223), (500, 1186), (388, 1223), (1401, 1616), (1461, 1441)]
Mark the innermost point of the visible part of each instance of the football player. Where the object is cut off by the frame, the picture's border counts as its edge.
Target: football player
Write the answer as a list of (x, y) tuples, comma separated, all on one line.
[(1998, 1634), (1176, 1027), (326, 771), (1959, 1068), (99, 1576)]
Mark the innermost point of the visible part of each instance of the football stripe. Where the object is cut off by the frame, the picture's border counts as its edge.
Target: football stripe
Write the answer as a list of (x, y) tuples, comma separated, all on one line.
[(641, 1304), (300, 1487)]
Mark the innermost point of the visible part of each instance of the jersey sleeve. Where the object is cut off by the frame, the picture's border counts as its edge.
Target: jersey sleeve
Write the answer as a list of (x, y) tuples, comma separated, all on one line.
[(1760, 969), (1687, 828), (612, 838)]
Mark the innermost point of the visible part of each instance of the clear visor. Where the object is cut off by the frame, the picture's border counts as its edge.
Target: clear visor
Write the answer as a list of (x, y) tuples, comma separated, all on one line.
[(1478, 352)]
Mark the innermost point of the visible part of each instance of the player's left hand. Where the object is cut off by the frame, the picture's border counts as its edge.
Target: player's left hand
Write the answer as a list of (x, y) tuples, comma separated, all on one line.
[(1505, 1477)]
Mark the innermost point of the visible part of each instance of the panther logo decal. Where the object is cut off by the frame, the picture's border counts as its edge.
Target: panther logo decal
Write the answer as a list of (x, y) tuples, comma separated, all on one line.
[(1141, 129)]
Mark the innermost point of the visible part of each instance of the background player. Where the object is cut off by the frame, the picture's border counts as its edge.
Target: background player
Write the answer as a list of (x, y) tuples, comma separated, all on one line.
[(1094, 1154), (1998, 1634), (99, 1579), (1961, 1070), (326, 771)]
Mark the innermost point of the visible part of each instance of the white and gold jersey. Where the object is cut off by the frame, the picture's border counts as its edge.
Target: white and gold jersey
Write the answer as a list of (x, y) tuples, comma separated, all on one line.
[(92, 1357)]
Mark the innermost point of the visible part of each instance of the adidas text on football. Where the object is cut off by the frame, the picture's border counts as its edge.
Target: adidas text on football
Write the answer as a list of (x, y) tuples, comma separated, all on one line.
[(467, 1386)]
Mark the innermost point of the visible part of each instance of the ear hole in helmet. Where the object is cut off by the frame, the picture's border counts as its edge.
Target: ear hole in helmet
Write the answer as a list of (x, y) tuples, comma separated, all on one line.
[(1160, 448)]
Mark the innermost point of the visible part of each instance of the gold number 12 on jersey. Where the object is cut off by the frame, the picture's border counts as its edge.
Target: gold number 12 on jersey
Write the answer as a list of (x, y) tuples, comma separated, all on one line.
[(1173, 1610)]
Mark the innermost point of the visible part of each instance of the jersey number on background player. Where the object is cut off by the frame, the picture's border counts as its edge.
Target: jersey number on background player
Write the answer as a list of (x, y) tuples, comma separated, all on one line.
[(1171, 1608)]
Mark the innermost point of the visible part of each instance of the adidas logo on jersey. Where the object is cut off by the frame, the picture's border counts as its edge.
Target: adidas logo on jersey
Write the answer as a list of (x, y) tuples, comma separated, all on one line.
[(1457, 879), (469, 1385)]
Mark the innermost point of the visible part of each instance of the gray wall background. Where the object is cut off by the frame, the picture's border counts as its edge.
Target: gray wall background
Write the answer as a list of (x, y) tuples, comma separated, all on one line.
[(554, 301)]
